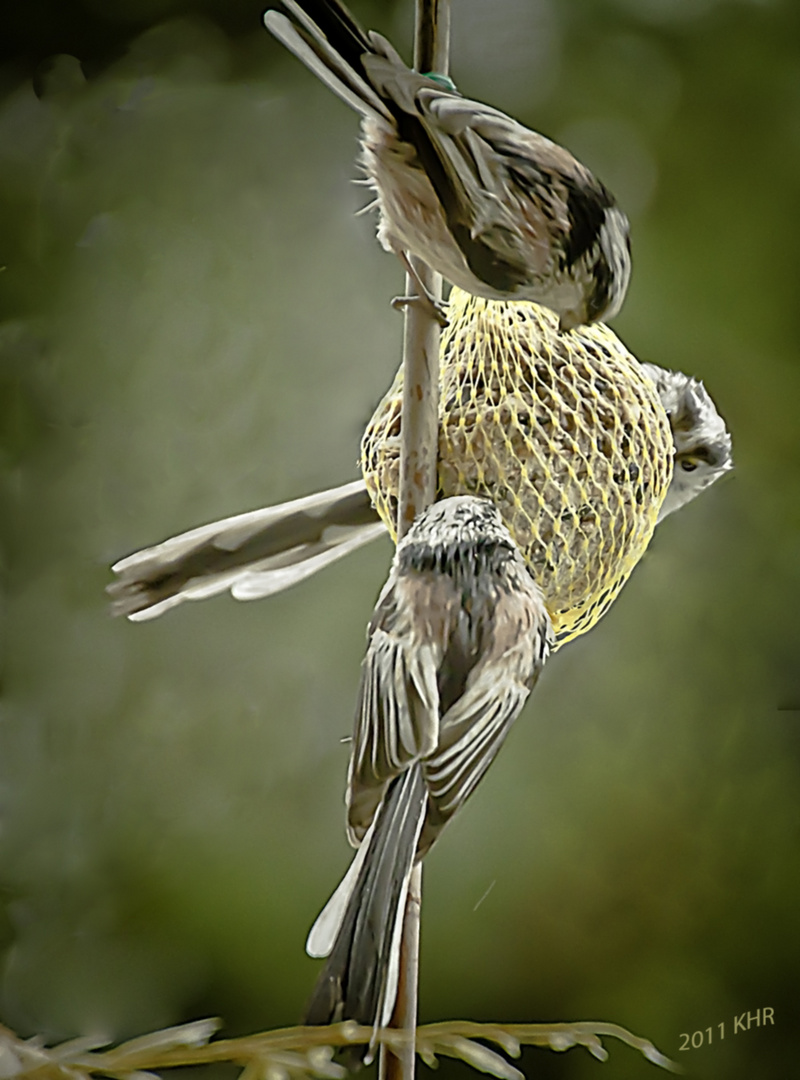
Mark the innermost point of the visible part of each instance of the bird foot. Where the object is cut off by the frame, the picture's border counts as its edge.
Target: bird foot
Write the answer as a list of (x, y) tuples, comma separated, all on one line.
[(423, 297), (434, 307)]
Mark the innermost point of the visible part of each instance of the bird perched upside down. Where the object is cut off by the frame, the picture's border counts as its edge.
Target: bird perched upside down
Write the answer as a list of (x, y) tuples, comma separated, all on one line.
[(702, 443), (496, 208), (528, 415), (456, 642)]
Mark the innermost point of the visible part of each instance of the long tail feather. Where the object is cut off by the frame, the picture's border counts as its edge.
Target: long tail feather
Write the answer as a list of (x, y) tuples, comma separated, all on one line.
[(338, 70), (251, 554), (359, 980)]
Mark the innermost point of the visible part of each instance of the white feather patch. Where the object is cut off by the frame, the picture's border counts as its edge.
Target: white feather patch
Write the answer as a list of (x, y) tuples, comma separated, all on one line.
[(326, 926)]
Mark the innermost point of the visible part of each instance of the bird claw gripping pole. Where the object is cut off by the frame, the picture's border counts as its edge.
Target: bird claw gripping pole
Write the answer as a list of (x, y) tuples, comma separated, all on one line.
[(429, 299)]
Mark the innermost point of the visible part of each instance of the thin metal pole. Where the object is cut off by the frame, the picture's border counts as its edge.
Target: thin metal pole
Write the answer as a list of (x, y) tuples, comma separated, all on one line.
[(418, 479)]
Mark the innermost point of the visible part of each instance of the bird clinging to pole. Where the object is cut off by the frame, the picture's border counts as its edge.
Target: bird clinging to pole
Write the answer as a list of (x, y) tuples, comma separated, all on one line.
[(457, 640), (497, 209), (500, 362)]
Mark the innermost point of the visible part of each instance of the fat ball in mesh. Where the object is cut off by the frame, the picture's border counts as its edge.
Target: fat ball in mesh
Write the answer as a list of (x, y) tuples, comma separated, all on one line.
[(264, 551), (564, 432)]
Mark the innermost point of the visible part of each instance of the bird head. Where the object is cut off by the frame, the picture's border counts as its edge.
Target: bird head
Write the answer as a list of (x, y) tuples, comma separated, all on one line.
[(605, 272), (703, 450)]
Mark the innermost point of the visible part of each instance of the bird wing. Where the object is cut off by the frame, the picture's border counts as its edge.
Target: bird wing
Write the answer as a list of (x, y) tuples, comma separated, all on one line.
[(397, 713), (475, 726), (516, 189), (462, 170), (511, 161), (461, 146), (514, 200)]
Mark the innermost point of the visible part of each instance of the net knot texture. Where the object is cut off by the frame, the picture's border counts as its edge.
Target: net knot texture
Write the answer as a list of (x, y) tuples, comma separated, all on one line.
[(563, 431)]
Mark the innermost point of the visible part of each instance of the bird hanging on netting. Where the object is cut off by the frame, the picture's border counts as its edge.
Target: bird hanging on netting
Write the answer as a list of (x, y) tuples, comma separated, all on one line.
[(458, 637), (569, 435), (702, 443), (498, 209)]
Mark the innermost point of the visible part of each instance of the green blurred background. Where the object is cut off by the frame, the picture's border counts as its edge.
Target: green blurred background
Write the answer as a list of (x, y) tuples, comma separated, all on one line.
[(193, 323)]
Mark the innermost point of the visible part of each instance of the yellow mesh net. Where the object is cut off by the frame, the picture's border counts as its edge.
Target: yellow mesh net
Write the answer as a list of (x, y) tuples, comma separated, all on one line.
[(563, 432)]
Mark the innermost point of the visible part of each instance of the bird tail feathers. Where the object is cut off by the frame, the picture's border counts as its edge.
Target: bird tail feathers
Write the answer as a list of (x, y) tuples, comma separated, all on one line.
[(252, 555), (361, 925), (325, 38)]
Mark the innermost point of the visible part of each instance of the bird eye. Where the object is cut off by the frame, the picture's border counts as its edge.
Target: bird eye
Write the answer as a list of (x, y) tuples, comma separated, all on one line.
[(688, 464)]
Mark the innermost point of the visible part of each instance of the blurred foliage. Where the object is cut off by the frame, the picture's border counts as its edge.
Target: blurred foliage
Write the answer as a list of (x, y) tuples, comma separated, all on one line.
[(193, 322)]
